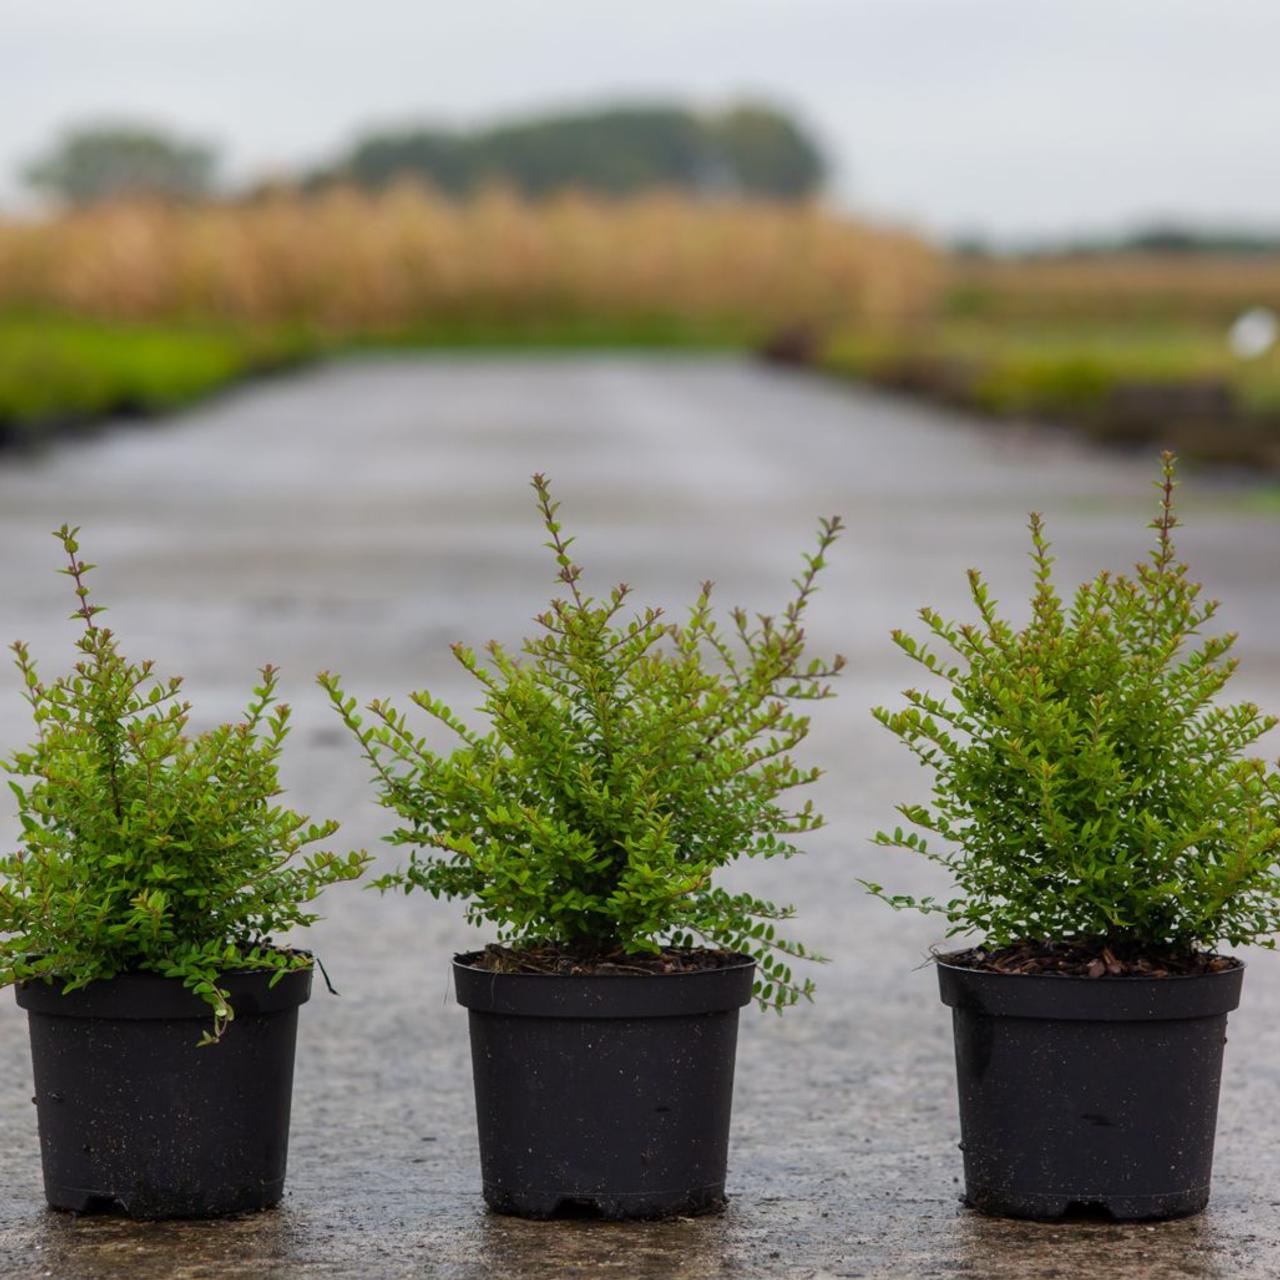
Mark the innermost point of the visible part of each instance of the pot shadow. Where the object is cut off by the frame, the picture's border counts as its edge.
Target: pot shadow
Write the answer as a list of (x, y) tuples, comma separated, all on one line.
[(508, 1246), (106, 1246), (1084, 1245)]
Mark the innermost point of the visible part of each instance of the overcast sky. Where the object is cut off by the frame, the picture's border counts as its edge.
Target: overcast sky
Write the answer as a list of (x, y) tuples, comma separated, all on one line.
[(1012, 117)]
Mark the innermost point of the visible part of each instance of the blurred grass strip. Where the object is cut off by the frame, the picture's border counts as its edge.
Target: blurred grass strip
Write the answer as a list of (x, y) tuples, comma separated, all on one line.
[(57, 373), (1022, 367), (1173, 382)]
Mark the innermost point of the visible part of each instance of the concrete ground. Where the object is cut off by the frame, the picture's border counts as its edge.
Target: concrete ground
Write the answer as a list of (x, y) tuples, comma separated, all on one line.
[(360, 517)]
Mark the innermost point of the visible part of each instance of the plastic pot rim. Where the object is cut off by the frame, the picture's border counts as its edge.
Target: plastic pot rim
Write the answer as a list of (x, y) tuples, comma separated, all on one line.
[(145, 996), (610, 995), (1071, 997)]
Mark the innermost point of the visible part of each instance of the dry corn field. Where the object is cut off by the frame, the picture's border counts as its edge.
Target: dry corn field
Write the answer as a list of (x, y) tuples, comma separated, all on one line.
[(352, 263), (1166, 287)]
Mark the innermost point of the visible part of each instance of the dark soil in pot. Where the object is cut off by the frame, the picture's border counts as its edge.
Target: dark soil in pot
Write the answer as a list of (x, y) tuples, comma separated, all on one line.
[(1087, 1095), (136, 1118), (604, 1094)]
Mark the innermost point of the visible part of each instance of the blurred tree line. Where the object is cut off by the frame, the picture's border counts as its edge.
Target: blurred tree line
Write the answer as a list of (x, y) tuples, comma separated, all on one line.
[(750, 149), (99, 162), (1157, 239)]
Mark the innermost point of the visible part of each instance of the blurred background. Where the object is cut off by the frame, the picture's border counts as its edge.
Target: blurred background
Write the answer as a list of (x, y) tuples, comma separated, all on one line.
[(1059, 212)]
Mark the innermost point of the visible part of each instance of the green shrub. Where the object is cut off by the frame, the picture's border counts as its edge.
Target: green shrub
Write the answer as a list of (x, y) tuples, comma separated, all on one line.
[(627, 760), (144, 848), (1088, 784)]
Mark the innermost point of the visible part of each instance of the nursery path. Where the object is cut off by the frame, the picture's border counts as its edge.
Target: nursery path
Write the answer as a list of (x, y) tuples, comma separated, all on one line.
[(363, 515)]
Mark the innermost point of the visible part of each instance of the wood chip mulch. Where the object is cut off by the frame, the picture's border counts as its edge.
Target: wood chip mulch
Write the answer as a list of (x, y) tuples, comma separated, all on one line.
[(1090, 959), (551, 959)]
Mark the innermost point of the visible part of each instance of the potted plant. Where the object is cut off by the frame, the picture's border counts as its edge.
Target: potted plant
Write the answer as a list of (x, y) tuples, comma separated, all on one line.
[(1107, 833), (627, 760), (137, 922)]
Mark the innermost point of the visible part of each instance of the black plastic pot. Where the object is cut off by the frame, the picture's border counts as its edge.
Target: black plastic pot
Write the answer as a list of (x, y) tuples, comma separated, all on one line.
[(136, 1118), (1096, 1096), (605, 1097)]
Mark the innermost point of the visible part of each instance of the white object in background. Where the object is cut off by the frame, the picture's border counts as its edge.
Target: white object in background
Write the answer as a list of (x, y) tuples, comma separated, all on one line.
[(1253, 333)]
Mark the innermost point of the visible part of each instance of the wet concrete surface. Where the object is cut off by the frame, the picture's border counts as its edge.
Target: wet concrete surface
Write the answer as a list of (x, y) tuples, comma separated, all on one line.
[(360, 517)]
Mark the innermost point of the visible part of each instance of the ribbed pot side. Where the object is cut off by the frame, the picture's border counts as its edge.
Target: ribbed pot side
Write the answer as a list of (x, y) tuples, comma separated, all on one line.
[(1095, 1096), (604, 1096), (136, 1118)]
